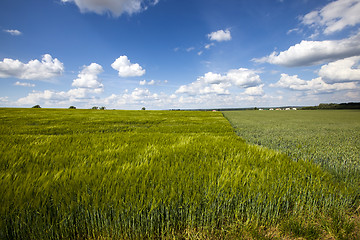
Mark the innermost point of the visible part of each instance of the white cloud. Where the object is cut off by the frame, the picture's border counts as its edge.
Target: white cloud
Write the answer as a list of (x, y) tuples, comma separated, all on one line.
[(335, 16), (308, 53), (214, 83), (344, 70), (244, 77), (46, 69), (24, 84), (115, 7), (208, 46), (138, 98), (152, 82), (140, 94), (50, 97), (88, 77), (4, 100), (220, 35), (190, 49), (39, 97), (313, 86), (87, 85), (13, 32), (255, 91), (296, 30), (126, 68)]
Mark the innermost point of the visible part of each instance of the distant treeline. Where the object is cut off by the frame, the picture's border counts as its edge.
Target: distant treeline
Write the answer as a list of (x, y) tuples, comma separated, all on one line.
[(350, 105)]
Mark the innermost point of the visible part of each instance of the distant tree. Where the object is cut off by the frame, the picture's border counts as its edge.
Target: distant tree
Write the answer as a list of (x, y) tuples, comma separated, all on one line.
[(72, 107), (143, 108), (255, 108), (102, 108), (36, 106), (95, 108)]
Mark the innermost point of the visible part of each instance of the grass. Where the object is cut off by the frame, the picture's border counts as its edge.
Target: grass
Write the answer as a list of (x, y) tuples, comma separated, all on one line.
[(90, 174)]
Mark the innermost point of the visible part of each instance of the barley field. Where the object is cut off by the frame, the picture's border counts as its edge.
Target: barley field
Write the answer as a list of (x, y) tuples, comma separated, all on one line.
[(92, 174)]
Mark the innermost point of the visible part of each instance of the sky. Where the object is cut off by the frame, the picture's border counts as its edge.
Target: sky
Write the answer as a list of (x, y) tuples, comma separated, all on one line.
[(178, 54)]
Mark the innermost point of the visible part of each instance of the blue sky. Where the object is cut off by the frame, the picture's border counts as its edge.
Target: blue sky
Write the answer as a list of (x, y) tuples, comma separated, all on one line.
[(164, 54)]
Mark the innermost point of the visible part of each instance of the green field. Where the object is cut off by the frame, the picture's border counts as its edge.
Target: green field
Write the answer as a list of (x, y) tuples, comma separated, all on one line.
[(330, 138), (91, 174)]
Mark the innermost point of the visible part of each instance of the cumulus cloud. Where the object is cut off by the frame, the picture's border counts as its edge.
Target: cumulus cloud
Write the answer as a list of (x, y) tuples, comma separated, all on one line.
[(308, 53), (50, 97), (314, 86), (39, 97), (344, 70), (13, 32), (141, 94), (24, 84), (115, 7), (220, 35), (87, 85), (126, 68), (139, 97), (88, 77), (255, 91), (214, 83), (152, 82), (335, 16), (243, 77), (35, 70)]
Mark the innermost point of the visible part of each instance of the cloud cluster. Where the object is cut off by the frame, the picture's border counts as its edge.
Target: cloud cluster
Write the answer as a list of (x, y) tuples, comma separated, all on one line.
[(50, 97), (220, 35), (126, 68), (335, 16), (13, 32), (313, 86), (308, 53), (86, 85), (35, 70), (214, 83), (137, 98), (115, 7), (24, 84), (152, 82)]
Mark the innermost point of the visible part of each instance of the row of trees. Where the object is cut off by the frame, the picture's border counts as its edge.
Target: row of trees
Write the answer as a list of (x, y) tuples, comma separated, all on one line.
[(94, 108), (324, 106), (73, 107)]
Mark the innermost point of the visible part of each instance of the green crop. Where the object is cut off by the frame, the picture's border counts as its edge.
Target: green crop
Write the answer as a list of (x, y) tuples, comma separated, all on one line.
[(330, 138), (88, 174)]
